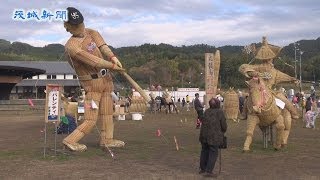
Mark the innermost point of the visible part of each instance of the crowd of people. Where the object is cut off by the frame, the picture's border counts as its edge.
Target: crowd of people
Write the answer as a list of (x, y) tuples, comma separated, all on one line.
[(309, 104)]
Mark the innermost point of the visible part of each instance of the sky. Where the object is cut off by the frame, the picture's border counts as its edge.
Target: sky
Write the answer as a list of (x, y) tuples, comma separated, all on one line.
[(125, 23)]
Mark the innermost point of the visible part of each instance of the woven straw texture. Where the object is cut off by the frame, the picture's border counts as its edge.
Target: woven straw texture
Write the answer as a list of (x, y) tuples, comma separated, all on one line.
[(231, 104), (267, 51), (138, 105)]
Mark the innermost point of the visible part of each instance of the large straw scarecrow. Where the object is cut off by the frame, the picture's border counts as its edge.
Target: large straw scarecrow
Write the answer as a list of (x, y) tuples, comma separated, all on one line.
[(266, 54), (262, 102), (92, 60)]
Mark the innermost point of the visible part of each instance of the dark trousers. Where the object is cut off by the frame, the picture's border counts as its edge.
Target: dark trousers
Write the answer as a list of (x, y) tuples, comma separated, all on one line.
[(208, 157), (200, 116)]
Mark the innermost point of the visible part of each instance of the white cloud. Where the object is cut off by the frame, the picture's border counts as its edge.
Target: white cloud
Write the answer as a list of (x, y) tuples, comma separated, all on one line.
[(34, 42), (217, 32), (176, 22)]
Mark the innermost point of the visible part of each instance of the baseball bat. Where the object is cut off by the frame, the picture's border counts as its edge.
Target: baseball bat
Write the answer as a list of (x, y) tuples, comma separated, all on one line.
[(136, 86)]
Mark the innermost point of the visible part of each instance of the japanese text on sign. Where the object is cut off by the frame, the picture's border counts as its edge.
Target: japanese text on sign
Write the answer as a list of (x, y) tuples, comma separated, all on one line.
[(53, 105), (210, 74), (39, 15)]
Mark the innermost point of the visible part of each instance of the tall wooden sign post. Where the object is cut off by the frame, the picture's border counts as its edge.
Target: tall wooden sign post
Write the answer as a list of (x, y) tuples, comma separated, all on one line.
[(212, 67), (52, 111)]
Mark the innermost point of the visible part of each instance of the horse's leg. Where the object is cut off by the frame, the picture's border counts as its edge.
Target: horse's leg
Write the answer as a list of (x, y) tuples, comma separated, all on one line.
[(280, 132), (287, 124), (175, 107), (252, 121), (166, 108), (264, 136)]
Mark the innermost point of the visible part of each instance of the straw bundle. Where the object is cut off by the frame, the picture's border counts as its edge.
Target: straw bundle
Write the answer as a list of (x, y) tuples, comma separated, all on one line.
[(231, 104), (138, 104)]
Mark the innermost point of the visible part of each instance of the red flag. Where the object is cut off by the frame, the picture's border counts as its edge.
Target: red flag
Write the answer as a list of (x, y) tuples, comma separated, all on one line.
[(30, 102), (158, 132)]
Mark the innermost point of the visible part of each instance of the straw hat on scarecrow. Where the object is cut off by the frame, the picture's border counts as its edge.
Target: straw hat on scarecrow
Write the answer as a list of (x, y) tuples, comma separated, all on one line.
[(267, 51)]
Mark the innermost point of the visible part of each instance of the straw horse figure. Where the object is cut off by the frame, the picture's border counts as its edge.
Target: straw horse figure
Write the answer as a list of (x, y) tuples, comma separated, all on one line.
[(166, 101), (263, 111)]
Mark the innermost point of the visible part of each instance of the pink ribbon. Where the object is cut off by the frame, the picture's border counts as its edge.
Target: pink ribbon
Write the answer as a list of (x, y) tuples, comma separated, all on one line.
[(158, 133), (30, 102)]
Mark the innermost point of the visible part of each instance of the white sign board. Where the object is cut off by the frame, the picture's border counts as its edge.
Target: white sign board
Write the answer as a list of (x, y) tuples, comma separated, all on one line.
[(52, 108)]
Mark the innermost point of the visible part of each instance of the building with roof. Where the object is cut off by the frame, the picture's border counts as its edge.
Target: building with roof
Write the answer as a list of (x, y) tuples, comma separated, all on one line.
[(11, 75), (34, 76)]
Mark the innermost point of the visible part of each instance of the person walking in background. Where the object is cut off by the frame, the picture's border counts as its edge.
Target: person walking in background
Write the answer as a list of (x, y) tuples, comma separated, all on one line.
[(317, 109), (199, 108), (188, 102), (241, 102), (308, 104), (295, 100), (311, 112), (213, 127), (318, 104), (183, 102), (302, 100), (310, 117)]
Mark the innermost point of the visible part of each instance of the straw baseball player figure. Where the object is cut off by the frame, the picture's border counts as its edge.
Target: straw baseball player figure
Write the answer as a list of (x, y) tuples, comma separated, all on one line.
[(92, 60)]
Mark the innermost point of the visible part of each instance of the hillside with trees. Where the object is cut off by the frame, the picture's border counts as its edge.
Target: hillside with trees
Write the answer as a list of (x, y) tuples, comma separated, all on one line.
[(172, 66)]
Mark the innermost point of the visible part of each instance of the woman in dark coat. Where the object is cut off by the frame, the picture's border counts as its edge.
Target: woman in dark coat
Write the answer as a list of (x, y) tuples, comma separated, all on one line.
[(309, 104), (213, 127)]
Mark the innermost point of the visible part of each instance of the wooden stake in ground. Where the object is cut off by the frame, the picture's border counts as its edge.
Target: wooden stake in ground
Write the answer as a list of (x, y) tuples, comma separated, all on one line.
[(111, 153), (176, 142)]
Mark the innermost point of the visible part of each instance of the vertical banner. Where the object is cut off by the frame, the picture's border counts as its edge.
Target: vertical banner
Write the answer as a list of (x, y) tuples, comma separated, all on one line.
[(212, 67), (53, 98)]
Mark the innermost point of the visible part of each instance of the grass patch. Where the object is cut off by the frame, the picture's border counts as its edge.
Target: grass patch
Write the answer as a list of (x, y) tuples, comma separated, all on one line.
[(91, 152), (10, 154), (58, 157), (66, 155)]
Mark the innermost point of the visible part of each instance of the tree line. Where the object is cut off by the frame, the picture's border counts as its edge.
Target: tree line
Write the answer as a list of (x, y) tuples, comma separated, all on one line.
[(183, 66)]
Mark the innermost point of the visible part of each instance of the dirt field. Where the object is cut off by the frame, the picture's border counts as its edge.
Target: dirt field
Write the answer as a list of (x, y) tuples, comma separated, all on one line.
[(147, 156)]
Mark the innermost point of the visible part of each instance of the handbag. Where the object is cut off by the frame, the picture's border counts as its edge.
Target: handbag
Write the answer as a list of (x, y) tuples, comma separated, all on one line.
[(224, 143)]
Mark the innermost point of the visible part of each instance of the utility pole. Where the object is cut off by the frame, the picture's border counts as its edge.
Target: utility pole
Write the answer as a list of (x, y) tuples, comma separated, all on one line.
[(295, 58), (182, 81), (301, 52)]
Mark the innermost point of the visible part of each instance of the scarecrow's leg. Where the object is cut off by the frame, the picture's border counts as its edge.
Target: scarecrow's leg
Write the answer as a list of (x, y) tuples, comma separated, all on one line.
[(106, 116), (90, 119)]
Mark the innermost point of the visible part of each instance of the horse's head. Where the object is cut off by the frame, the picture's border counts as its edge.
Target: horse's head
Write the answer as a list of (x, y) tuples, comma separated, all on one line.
[(258, 93)]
